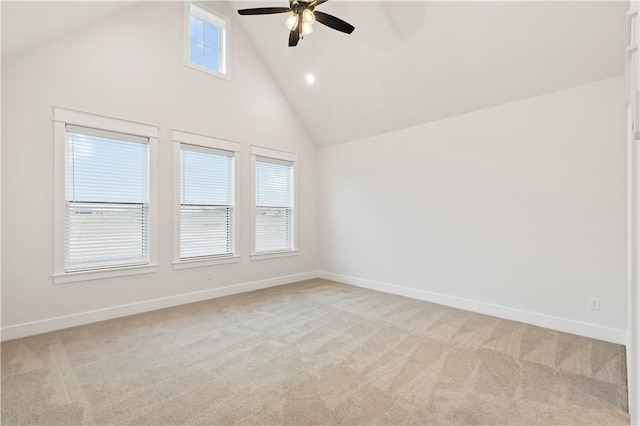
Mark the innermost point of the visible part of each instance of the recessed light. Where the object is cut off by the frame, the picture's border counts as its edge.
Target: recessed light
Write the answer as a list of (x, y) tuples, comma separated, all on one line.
[(311, 78)]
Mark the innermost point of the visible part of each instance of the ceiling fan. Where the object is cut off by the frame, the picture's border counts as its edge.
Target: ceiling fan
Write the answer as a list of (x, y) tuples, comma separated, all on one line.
[(303, 15)]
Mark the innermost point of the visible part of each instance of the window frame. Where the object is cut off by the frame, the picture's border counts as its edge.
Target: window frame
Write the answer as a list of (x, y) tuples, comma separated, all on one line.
[(259, 151), (62, 117), (178, 138), (213, 17)]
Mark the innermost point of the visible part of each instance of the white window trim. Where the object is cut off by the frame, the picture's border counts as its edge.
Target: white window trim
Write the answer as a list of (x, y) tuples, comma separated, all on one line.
[(72, 277), (273, 254), (259, 151), (198, 263), (215, 17), (179, 137), (62, 117)]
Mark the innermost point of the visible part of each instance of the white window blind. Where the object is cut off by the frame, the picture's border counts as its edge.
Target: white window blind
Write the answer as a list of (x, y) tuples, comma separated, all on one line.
[(206, 202), (274, 205), (106, 199)]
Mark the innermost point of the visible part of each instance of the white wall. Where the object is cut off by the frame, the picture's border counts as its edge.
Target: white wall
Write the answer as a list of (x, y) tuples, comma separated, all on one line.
[(633, 347), (130, 66), (521, 207)]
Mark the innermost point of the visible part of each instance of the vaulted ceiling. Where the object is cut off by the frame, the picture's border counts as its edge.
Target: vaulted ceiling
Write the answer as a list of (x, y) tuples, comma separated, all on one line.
[(407, 63)]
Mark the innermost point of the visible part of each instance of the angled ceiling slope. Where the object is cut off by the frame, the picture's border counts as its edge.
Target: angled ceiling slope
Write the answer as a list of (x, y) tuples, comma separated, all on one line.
[(409, 63), (28, 23)]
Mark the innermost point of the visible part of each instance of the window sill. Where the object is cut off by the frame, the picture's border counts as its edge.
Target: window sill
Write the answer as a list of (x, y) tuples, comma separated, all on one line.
[(223, 76), (273, 254), (185, 264), (72, 277)]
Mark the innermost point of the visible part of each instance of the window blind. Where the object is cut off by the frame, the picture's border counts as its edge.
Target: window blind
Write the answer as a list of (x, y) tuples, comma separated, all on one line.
[(206, 202), (274, 205), (106, 199)]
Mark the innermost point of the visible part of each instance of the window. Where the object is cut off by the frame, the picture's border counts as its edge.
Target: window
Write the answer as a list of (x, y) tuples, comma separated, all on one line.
[(205, 211), (206, 38), (107, 199), (103, 196), (206, 202), (274, 209)]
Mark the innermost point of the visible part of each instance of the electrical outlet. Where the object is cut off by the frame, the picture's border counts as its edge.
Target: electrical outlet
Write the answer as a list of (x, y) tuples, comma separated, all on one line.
[(594, 304), (209, 276), (344, 264)]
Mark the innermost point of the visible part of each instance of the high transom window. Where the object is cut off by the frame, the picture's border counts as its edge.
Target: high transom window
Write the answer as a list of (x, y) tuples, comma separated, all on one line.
[(206, 36)]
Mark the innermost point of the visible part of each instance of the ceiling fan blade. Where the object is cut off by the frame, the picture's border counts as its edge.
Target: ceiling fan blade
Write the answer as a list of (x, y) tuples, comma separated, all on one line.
[(294, 37), (333, 22), (263, 10)]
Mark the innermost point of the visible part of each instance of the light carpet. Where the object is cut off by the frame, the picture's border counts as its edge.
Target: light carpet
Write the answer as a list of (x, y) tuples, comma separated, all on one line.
[(314, 352)]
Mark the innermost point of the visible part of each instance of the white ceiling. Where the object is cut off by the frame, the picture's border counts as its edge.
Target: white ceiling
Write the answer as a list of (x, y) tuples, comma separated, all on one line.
[(27, 23), (407, 63)]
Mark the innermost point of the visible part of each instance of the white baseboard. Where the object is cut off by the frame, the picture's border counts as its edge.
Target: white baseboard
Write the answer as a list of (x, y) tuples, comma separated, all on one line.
[(58, 323), (556, 323), (594, 331)]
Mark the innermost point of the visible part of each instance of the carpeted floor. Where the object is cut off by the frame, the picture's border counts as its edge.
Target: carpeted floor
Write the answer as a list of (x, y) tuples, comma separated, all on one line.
[(314, 352)]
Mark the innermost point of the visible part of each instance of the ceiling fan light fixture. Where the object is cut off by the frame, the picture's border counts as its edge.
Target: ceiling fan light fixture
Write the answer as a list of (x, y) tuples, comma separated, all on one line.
[(292, 21), (307, 28), (308, 16)]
